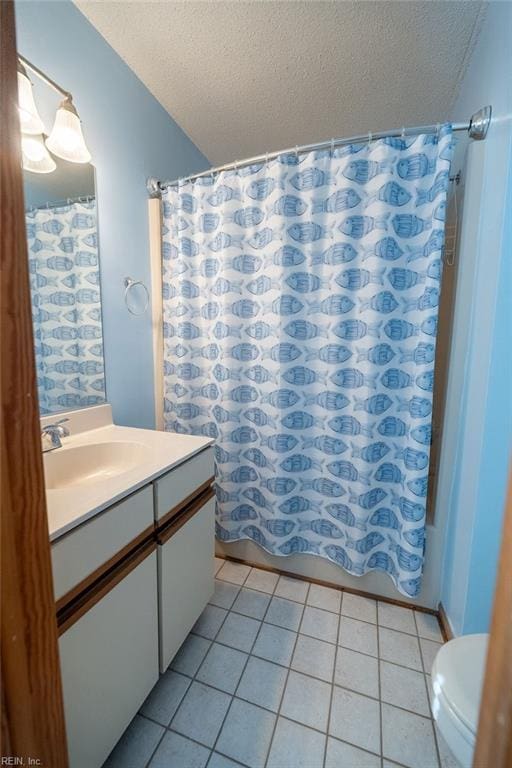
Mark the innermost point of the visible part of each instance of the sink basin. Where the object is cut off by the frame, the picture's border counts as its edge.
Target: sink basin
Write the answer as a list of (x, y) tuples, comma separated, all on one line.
[(91, 463)]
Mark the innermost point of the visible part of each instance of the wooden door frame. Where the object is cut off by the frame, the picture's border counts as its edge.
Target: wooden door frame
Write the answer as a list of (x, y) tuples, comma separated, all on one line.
[(32, 707), (494, 737)]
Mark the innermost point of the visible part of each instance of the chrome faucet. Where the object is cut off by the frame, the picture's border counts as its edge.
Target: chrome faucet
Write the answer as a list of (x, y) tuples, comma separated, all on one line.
[(51, 435)]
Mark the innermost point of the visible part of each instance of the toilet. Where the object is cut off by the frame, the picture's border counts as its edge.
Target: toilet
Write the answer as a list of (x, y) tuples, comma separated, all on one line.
[(457, 676)]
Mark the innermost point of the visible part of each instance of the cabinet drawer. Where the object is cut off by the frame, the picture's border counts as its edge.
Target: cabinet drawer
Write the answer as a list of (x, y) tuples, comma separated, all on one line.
[(109, 663), (80, 553), (180, 483), (185, 573)]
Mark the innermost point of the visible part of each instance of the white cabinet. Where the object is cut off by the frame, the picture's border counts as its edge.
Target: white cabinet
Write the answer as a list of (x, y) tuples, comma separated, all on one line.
[(185, 576), (79, 554), (109, 663), (182, 484)]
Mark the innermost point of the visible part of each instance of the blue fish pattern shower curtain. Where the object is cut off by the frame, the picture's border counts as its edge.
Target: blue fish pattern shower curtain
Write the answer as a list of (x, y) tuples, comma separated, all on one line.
[(66, 306), (300, 316)]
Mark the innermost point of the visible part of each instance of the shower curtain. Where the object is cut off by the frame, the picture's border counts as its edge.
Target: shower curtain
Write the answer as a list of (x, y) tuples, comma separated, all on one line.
[(300, 316), (66, 306)]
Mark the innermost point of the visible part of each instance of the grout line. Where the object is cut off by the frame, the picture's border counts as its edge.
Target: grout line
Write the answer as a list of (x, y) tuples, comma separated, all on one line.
[(438, 753), (278, 713), (297, 633), (278, 626), (241, 675), (158, 743), (379, 682), (333, 678)]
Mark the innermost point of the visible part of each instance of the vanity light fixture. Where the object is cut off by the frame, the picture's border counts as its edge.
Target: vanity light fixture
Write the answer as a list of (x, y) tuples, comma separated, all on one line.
[(66, 139), (30, 120), (36, 157)]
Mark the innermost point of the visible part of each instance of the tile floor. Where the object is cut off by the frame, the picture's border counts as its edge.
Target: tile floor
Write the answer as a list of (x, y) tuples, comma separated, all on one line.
[(280, 673)]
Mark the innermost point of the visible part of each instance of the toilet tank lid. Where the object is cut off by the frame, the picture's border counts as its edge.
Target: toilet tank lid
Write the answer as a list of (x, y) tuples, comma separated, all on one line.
[(458, 670)]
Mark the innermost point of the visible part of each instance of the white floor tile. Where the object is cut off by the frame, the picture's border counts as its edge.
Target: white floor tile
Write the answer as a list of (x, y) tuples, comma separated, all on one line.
[(251, 603), (339, 754), (177, 750), (428, 626), (320, 624), (190, 655), (358, 635), (201, 713), (236, 573), (396, 617), (239, 632), (429, 651), (408, 738), (246, 734), (222, 668), (165, 698), (297, 746), (358, 607), (324, 597), (292, 589), (219, 761), (275, 644), (314, 657), (136, 745), (284, 613), (262, 683), (209, 622), (218, 562), (404, 688), (399, 648), (356, 719), (265, 581), (306, 700), (224, 594), (357, 671)]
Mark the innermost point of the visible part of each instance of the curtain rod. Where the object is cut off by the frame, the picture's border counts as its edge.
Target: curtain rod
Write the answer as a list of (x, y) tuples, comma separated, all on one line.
[(61, 203), (477, 129)]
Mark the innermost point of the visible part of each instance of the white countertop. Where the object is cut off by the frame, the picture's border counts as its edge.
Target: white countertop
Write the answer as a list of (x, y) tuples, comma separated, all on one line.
[(72, 505)]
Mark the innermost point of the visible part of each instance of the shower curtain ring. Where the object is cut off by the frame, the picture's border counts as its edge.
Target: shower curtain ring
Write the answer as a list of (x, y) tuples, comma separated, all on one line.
[(266, 159), (403, 132), (297, 151), (332, 146), (369, 139)]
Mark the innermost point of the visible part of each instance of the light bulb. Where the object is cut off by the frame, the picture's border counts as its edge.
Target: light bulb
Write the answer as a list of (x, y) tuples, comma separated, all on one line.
[(36, 157), (30, 121), (66, 139)]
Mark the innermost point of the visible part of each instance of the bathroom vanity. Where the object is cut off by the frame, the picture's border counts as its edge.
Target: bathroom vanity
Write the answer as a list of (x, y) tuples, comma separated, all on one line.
[(131, 516)]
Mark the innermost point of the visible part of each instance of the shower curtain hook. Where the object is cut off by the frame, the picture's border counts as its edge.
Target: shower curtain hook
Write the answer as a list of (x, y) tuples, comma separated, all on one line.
[(266, 159), (369, 139), (297, 151), (332, 146), (438, 129), (403, 132)]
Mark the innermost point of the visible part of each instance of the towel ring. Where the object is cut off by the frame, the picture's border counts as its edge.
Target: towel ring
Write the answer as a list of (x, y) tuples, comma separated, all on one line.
[(129, 284)]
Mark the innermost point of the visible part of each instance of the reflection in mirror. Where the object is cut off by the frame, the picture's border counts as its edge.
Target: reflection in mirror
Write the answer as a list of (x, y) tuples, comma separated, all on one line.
[(63, 252)]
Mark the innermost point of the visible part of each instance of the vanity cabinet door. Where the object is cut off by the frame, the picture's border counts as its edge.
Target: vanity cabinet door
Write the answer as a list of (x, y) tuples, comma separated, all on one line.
[(185, 572), (109, 663)]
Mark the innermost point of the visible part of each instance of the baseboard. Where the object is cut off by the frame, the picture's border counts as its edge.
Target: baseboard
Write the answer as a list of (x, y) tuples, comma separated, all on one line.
[(445, 624), (331, 585)]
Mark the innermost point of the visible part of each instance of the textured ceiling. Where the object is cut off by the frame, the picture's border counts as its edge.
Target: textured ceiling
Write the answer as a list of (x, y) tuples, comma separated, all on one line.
[(243, 78)]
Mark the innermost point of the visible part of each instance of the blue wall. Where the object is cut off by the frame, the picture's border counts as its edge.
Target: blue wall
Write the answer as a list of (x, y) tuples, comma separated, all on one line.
[(478, 428), (130, 137)]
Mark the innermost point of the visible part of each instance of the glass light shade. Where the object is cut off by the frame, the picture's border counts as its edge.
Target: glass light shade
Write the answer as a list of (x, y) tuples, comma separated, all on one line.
[(30, 121), (66, 139), (36, 157)]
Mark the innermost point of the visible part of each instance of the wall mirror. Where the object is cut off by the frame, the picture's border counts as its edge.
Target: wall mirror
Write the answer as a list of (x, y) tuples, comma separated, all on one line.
[(63, 246)]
